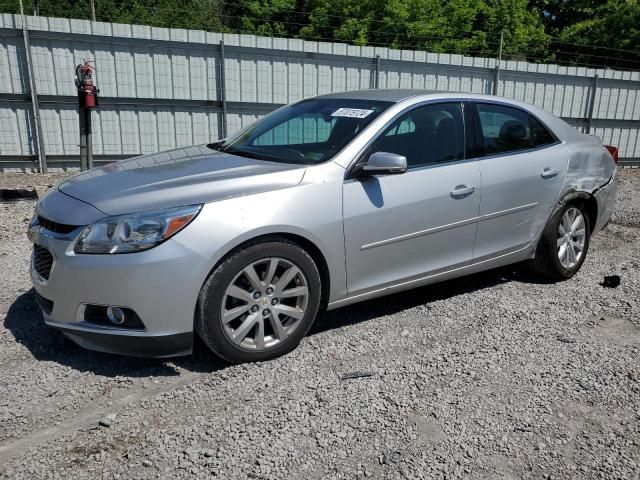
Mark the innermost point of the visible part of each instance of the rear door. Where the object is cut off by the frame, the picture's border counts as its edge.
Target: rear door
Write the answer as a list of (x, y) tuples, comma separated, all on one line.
[(399, 227), (523, 169)]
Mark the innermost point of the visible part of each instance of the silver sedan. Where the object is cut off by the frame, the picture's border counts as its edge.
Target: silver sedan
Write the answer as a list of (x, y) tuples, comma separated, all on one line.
[(325, 202)]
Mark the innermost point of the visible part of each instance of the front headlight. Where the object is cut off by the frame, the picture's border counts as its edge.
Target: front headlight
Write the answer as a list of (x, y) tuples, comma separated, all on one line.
[(135, 232)]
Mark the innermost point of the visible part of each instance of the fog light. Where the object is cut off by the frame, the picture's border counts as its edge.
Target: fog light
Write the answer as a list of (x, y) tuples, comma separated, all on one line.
[(106, 316), (116, 315)]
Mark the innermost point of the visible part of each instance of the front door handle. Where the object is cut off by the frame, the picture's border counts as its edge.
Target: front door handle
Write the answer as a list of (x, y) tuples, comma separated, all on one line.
[(549, 172), (461, 191)]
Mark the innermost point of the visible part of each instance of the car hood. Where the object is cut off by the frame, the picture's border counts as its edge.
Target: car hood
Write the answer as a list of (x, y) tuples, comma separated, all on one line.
[(175, 178)]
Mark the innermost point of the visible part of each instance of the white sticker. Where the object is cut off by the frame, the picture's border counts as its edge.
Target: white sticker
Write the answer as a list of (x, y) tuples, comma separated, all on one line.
[(351, 112)]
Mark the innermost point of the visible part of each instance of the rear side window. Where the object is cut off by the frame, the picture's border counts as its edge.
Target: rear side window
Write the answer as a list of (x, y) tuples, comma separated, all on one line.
[(504, 129), (426, 135), (541, 136)]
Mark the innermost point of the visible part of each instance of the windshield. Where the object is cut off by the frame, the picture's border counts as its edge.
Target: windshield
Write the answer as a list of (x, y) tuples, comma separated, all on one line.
[(308, 132)]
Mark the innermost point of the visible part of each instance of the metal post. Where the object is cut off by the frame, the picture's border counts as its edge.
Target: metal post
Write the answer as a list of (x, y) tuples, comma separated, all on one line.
[(87, 113), (592, 103), (498, 65), (376, 77), (42, 158), (223, 91), (82, 118), (93, 10)]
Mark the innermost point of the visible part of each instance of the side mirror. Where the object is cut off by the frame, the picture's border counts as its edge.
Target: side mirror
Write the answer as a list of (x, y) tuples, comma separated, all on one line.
[(385, 163)]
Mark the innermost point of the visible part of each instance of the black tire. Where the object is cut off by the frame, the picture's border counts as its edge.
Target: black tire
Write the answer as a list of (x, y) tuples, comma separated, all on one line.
[(209, 323), (546, 261)]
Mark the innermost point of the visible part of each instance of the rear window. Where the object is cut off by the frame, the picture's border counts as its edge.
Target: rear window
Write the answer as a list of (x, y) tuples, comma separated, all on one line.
[(541, 136), (504, 129)]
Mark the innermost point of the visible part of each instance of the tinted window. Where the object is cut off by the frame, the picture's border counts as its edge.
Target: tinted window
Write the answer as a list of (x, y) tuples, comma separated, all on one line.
[(307, 132), (504, 129), (541, 136), (425, 135)]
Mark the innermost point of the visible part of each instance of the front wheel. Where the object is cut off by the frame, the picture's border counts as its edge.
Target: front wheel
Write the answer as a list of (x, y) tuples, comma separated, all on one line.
[(260, 302), (564, 243)]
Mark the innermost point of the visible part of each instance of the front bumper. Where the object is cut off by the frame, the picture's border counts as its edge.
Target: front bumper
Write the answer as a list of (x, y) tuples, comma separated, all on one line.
[(160, 285), (136, 345)]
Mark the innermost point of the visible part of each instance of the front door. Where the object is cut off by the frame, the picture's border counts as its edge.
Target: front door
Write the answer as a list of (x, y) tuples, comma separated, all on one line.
[(401, 227)]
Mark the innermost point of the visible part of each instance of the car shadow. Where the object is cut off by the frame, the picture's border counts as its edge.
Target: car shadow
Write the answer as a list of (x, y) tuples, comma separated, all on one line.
[(24, 320), (397, 302), (371, 187)]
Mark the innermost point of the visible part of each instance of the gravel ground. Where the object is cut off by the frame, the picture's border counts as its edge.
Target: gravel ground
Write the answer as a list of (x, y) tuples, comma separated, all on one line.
[(498, 375), (31, 180)]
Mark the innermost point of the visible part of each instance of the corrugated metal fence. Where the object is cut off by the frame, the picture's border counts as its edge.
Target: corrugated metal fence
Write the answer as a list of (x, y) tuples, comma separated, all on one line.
[(164, 88)]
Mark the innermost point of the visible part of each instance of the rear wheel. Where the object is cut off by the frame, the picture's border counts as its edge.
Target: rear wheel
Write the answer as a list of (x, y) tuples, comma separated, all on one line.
[(260, 302), (564, 243)]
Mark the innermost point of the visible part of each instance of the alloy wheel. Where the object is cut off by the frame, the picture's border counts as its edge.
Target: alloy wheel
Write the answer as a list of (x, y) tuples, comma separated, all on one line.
[(264, 303), (571, 238)]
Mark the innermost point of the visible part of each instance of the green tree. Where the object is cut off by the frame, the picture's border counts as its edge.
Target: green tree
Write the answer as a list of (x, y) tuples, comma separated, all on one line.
[(567, 31), (456, 26), (559, 14), (524, 33), (614, 25), (197, 14), (282, 18)]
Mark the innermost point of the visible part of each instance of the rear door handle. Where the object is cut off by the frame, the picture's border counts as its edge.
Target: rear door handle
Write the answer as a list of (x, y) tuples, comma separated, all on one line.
[(461, 191), (549, 172)]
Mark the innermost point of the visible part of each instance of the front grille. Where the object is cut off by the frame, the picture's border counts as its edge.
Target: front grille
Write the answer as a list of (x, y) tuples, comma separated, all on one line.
[(54, 226), (42, 261), (44, 303)]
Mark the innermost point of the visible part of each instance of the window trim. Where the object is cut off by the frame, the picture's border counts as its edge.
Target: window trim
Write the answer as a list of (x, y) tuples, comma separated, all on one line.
[(480, 135), (464, 103)]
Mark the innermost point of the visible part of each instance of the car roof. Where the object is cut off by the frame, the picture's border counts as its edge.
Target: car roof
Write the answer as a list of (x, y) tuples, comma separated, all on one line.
[(387, 95), (558, 126)]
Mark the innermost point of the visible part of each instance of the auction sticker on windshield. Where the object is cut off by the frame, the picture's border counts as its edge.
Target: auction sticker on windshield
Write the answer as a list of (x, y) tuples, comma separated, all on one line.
[(351, 112)]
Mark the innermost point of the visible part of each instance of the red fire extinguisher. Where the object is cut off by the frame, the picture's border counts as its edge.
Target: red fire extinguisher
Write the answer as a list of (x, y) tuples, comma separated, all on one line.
[(87, 91)]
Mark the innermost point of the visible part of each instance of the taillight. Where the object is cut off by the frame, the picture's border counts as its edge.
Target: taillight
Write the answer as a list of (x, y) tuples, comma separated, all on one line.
[(613, 151)]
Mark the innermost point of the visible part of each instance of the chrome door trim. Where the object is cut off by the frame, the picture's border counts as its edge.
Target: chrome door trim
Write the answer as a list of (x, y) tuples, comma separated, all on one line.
[(489, 156), (419, 233), (489, 216), (407, 284), (448, 226)]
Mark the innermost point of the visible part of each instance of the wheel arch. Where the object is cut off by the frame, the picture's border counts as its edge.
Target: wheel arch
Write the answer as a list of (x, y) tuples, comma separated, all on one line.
[(296, 238), (585, 200)]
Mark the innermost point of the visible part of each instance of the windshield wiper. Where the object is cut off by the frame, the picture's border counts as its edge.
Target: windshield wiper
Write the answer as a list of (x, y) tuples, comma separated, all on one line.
[(241, 153), (233, 151), (216, 145)]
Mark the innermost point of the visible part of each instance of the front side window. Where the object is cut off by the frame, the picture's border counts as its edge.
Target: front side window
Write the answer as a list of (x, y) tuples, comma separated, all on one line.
[(308, 132), (504, 129), (426, 135)]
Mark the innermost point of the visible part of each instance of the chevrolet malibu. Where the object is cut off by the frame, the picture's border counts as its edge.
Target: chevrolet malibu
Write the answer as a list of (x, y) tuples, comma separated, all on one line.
[(325, 202)]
